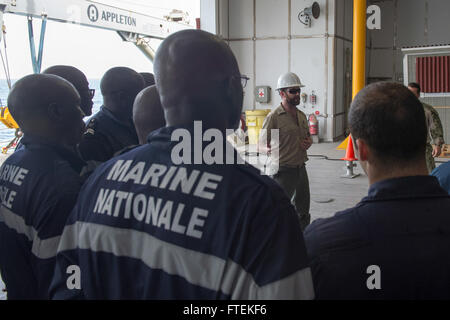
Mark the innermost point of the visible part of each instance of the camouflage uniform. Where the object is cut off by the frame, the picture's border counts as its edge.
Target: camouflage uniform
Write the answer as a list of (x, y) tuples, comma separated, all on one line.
[(435, 133)]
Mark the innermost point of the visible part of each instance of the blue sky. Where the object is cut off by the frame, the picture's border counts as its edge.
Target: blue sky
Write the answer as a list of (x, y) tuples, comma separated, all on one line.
[(91, 50)]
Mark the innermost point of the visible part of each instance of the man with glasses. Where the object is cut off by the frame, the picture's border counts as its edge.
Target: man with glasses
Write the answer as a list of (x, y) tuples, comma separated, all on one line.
[(79, 81), (174, 229), (294, 141)]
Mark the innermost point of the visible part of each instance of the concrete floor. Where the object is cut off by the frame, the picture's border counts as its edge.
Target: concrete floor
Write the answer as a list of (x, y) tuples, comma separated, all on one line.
[(329, 192), (326, 183)]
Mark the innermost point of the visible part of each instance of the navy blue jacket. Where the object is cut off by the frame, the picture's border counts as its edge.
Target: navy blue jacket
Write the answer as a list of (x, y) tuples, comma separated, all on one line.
[(442, 173), (105, 135), (39, 185), (402, 227), (144, 228)]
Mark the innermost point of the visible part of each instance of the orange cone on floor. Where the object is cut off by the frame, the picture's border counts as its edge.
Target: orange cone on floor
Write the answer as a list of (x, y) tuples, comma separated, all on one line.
[(343, 145), (349, 153)]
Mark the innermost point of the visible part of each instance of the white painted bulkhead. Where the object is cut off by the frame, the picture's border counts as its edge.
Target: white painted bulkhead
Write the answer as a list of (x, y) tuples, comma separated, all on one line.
[(269, 40)]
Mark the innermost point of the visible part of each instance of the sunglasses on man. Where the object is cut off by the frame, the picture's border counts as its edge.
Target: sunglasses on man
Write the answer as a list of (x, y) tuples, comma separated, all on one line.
[(91, 93), (87, 94), (294, 91)]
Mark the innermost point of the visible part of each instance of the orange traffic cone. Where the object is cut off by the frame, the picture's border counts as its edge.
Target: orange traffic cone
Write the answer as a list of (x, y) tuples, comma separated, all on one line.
[(349, 158), (349, 153)]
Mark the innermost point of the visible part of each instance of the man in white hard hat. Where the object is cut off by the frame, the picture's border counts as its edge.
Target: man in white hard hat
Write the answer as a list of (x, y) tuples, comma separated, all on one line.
[(294, 141)]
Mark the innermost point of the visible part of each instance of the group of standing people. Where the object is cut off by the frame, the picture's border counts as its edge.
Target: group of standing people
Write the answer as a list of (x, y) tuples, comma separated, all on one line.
[(106, 212), (57, 153)]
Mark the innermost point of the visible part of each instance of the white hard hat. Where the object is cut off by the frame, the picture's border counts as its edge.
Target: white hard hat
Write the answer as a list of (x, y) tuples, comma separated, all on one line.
[(289, 80)]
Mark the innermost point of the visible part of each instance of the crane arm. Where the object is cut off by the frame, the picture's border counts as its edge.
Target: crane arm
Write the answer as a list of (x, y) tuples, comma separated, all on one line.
[(94, 14)]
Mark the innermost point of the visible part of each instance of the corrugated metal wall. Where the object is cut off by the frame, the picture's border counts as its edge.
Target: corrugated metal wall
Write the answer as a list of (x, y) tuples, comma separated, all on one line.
[(433, 74), (409, 23), (439, 100)]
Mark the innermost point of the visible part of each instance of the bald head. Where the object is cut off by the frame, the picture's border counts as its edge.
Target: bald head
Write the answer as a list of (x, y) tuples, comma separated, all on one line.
[(149, 78), (32, 94), (78, 80), (48, 106), (69, 73), (121, 79), (148, 114), (198, 79), (119, 87)]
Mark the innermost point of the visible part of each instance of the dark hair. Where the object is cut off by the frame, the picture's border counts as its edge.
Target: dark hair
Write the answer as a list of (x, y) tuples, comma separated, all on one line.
[(391, 120), (415, 85)]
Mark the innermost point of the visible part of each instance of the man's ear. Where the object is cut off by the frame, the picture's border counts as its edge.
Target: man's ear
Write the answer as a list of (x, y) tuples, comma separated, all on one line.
[(362, 149), (235, 103), (55, 112)]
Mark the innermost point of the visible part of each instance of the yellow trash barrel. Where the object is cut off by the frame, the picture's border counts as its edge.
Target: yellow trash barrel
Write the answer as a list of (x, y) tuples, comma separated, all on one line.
[(254, 120)]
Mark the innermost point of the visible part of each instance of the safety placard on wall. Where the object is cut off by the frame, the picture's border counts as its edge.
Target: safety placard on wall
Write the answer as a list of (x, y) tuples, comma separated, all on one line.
[(262, 94)]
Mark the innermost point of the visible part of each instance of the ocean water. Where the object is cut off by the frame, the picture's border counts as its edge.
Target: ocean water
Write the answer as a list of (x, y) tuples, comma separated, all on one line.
[(6, 134)]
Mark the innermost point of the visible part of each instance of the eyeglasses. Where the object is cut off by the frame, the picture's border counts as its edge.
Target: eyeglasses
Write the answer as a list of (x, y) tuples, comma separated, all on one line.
[(294, 91), (87, 93), (244, 80)]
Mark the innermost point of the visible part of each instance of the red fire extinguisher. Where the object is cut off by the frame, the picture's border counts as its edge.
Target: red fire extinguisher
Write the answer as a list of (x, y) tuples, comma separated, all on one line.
[(313, 125)]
